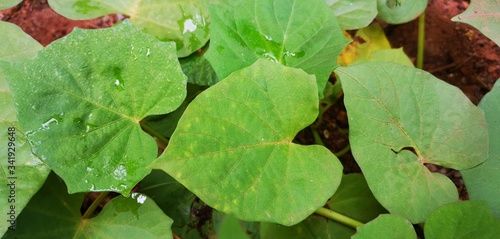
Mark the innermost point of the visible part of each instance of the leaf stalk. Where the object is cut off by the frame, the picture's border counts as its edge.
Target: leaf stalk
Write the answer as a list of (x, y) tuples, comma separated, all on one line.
[(338, 217)]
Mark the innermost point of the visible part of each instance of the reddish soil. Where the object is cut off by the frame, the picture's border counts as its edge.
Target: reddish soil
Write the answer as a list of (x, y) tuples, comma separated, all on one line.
[(454, 52)]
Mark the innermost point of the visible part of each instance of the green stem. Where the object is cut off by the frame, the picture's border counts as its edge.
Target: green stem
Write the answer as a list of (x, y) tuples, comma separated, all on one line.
[(421, 38), (94, 205), (338, 217), (343, 151), (153, 132), (317, 138)]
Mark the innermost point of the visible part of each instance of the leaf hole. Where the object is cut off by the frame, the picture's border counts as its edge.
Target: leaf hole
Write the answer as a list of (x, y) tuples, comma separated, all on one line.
[(411, 149)]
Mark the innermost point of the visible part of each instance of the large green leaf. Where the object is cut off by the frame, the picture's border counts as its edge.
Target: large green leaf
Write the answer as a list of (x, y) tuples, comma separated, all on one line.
[(302, 34), (53, 213), (353, 14), (184, 21), (84, 107), (400, 11), (353, 198), (462, 220), (483, 181), (485, 16), (23, 173), (233, 146), (386, 226), (400, 118)]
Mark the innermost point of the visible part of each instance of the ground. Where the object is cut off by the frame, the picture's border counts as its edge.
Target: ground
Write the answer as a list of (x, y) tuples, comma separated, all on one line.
[(454, 52)]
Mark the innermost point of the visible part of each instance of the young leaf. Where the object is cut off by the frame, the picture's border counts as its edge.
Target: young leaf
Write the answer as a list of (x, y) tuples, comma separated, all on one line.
[(386, 226), (467, 219), (84, 106), (184, 21), (301, 34), (483, 15), (23, 173), (400, 11), (53, 213), (483, 181), (353, 14), (400, 118), (233, 146)]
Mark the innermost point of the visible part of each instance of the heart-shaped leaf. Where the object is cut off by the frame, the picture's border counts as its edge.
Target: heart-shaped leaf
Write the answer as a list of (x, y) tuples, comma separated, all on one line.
[(485, 16), (53, 213), (84, 108), (402, 117), (184, 21), (400, 11), (233, 146), (467, 219), (386, 226), (353, 14), (483, 181), (302, 34), (23, 173)]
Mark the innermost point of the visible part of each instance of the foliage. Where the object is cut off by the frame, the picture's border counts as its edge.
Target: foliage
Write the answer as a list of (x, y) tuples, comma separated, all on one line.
[(94, 105)]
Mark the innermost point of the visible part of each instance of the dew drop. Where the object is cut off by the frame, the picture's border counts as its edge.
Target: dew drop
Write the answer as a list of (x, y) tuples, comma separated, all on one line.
[(269, 38), (148, 53), (189, 26)]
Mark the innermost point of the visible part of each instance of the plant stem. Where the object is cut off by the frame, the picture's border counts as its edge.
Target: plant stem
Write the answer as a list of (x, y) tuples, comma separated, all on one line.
[(338, 217), (421, 38), (317, 138), (343, 151), (153, 132), (94, 205)]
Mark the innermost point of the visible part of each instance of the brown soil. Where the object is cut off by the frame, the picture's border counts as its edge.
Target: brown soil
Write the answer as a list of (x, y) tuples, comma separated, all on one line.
[(454, 52), (39, 21)]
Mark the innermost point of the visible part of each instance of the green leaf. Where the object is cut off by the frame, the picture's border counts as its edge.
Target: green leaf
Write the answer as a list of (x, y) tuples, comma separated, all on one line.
[(173, 198), (483, 15), (400, 118), (4, 4), (198, 69), (353, 14), (483, 181), (84, 108), (301, 34), (25, 173), (311, 228), (462, 220), (184, 21), (230, 228), (53, 213), (166, 124), (400, 11), (353, 198), (386, 226), (233, 146)]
